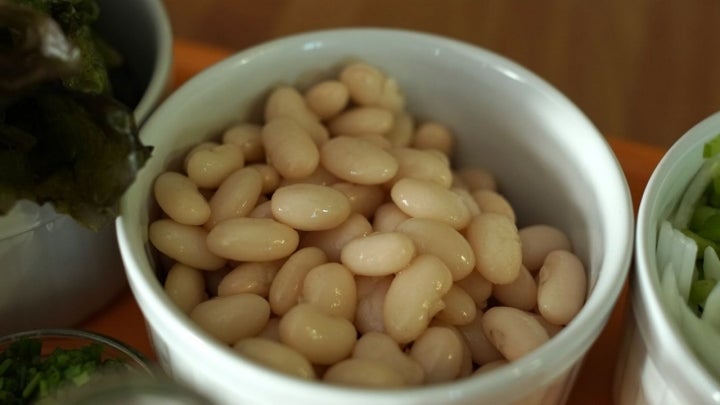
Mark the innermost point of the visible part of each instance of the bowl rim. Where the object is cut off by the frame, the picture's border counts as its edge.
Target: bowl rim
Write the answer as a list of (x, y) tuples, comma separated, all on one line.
[(606, 291)]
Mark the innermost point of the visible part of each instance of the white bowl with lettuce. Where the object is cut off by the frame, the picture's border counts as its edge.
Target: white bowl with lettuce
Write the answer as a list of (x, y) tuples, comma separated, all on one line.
[(72, 99), (675, 357)]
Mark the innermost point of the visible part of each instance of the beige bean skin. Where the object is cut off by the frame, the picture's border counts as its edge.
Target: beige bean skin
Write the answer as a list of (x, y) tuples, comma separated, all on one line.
[(184, 243), (466, 364), (250, 277), (236, 196), (310, 207), (477, 179), (179, 198), (363, 199), (521, 293), (366, 373), (433, 135), (269, 175), (262, 210), (320, 177), (378, 254), (330, 287), (492, 201), (207, 145), (539, 240), (213, 279), (185, 287), (427, 199), (331, 241), (382, 348), (252, 239), (323, 339), (271, 331), (357, 160), (440, 353), (468, 200), (387, 217), (287, 102), (401, 133), (420, 164), (487, 367), (247, 137), (562, 285), (459, 308), (287, 285), (289, 148), (209, 167), (369, 313), (496, 244), (479, 288), (276, 356), (362, 120), (415, 296), (233, 317), (364, 82), (512, 331), (481, 348), (442, 240), (327, 98)]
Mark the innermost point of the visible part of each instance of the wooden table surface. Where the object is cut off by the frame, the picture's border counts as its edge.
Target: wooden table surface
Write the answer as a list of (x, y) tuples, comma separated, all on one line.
[(124, 321)]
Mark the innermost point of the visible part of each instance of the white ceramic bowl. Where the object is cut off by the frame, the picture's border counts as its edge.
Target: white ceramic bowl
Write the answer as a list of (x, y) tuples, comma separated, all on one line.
[(552, 163), (660, 364), (56, 272)]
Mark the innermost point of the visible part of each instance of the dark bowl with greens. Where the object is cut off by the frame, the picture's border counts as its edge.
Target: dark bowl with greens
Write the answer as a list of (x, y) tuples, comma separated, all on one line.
[(77, 80)]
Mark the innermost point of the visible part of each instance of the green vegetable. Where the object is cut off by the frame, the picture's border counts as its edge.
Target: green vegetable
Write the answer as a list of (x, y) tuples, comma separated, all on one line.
[(65, 139), (26, 376)]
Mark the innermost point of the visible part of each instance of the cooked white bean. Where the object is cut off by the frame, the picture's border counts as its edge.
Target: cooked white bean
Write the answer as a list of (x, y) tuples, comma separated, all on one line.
[(185, 287), (481, 348), (247, 137), (381, 347), (378, 254), (184, 243), (262, 210), (209, 167), (362, 120), (310, 207), (327, 98), (287, 102), (433, 135), (492, 201), (442, 240), (364, 82), (562, 285), (289, 148), (250, 277), (479, 288), (466, 364), (468, 200), (539, 240), (331, 241), (179, 198), (287, 285), (269, 175), (330, 287), (401, 133), (252, 239), (477, 179), (487, 367), (232, 318), (357, 160), (421, 164), (321, 176), (323, 339), (369, 313), (275, 355), (512, 331), (387, 217), (427, 199), (440, 353), (363, 199), (459, 308), (366, 373), (521, 293), (236, 197), (496, 244), (415, 296)]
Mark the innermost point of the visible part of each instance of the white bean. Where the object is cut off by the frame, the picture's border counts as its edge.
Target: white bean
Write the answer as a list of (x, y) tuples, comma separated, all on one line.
[(236, 197), (289, 148), (427, 199), (382, 348), (249, 277), (539, 240), (330, 287), (276, 356), (179, 198), (287, 285), (366, 373), (440, 353), (378, 254), (310, 207), (252, 239), (513, 332), (562, 285), (185, 287), (496, 244), (357, 160), (209, 167), (233, 317), (185, 244)]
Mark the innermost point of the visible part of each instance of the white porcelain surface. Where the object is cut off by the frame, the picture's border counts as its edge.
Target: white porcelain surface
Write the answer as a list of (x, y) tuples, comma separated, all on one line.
[(662, 341), (54, 271), (550, 160)]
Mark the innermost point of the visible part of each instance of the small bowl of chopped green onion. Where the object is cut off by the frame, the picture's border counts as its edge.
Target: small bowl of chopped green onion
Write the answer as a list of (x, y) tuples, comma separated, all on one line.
[(49, 364), (673, 343)]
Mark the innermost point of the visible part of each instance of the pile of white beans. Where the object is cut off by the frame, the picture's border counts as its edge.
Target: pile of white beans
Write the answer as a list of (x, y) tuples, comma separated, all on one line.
[(334, 241)]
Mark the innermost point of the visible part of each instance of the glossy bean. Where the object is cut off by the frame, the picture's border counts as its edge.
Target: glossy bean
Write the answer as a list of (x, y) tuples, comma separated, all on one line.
[(378, 254), (287, 102), (358, 161), (415, 296), (363, 199), (477, 179), (310, 207), (364, 82), (236, 197), (289, 148), (482, 350), (185, 244), (361, 120), (427, 199), (382, 348), (400, 134), (420, 164), (323, 339), (252, 239), (269, 175), (185, 286), (321, 176), (387, 217), (365, 373), (331, 241), (478, 287), (330, 287), (459, 308), (275, 355), (179, 198), (247, 137), (369, 313), (496, 244), (250, 277), (433, 135), (232, 318), (512, 331), (562, 285), (287, 285), (439, 352), (492, 201), (209, 167), (327, 98), (539, 240), (262, 210), (522, 293)]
